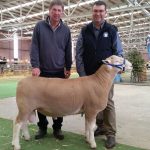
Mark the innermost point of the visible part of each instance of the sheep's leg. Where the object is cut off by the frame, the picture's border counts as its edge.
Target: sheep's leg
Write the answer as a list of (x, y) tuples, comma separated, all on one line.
[(25, 131), (87, 131), (91, 133), (16, 133)]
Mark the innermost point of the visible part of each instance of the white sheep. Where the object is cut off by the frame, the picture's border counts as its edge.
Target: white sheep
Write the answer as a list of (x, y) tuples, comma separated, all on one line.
[(60, 97)]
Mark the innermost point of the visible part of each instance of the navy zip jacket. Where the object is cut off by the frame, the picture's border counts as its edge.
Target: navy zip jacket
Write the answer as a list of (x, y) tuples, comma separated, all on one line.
[(51, 49), (90, 51)]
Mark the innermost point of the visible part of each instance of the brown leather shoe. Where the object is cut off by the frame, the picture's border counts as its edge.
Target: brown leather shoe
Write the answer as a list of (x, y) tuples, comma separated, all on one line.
[(99, 131), (110, 142), (40, 134), (58, 134)]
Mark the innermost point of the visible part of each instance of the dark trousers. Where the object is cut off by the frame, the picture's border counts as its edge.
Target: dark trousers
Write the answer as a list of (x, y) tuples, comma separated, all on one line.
[(57, 122), (107, 118)]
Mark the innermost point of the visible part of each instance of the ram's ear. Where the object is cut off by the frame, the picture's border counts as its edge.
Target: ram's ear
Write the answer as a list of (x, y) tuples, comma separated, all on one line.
[(105, 61)]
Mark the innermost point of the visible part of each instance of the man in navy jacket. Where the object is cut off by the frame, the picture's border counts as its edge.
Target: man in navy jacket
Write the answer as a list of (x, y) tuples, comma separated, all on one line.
[(97, 41)]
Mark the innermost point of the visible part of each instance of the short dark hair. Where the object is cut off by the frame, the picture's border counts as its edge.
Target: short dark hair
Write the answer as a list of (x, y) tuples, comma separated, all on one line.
[(99, 3), (56, 2)]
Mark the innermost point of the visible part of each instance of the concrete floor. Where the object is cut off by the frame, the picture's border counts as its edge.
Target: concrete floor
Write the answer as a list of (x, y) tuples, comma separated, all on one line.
[(132, 110)]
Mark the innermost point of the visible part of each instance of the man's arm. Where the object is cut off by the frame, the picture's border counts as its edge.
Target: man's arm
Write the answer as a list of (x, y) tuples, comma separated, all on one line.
[(79, 56), (34, 53), (68, 53), (68, 56), (117, 45)]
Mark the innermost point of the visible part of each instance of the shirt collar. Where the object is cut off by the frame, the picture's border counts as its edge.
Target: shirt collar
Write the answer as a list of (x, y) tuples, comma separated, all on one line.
[(51, 25), (102, 24)]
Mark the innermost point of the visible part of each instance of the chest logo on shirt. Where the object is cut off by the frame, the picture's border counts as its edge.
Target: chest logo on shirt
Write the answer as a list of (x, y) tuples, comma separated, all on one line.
[(105, 34)]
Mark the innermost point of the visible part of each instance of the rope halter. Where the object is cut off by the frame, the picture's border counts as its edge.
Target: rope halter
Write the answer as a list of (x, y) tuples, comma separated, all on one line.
[(119, 66)]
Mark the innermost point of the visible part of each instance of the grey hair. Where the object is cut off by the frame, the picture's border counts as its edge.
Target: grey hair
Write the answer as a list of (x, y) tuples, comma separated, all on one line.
[(56, 2)]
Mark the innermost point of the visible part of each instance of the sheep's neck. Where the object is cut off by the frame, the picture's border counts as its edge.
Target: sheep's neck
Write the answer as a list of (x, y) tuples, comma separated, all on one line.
[(106, 74)]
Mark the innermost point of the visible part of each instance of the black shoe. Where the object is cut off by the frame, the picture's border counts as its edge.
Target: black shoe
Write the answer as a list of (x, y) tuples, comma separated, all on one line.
[(99, 131), (58, 134), (40, 134), (110, 142)]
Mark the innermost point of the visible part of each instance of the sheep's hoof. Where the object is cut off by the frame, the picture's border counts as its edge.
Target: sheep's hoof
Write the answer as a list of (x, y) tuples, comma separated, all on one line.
[(26, 138), (93, 146), (17, 148)]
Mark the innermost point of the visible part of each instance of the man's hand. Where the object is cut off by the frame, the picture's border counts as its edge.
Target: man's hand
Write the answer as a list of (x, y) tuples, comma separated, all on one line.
[(35, 72), (67, 74)]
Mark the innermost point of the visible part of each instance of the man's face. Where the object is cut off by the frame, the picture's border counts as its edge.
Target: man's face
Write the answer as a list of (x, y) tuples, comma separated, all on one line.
[(56, 13), (99, 13)]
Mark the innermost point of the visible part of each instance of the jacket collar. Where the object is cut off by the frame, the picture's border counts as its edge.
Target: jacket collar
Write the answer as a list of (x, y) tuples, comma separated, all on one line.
[(47, 20), (101, 26), (105, 26)]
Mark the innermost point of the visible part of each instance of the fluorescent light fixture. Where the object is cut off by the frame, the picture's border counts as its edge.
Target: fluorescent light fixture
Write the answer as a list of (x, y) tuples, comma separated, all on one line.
[(21, 5), (15, 46), (41, 13)]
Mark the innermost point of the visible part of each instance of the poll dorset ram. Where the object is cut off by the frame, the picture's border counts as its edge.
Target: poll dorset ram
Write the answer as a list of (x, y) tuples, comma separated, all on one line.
[(60, 97)]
